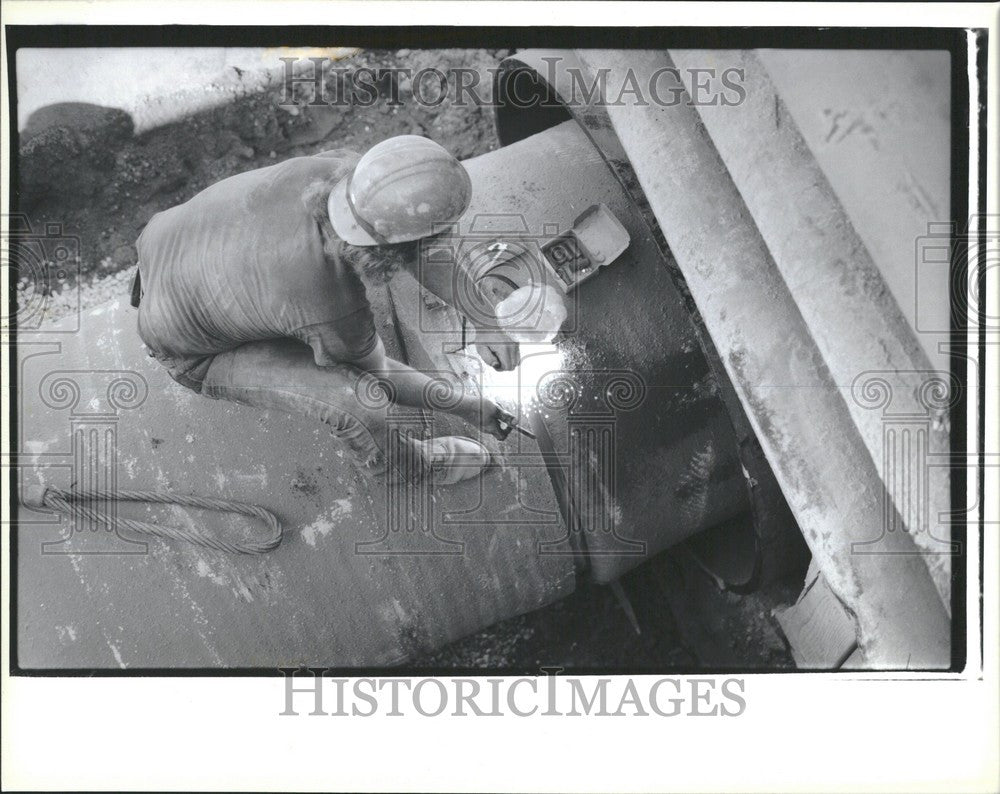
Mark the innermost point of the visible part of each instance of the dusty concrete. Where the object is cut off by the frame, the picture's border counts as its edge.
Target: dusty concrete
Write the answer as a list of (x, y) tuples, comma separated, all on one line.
[(153, 85), (865, 340), (799, 414), (368, 574), (879, 125)]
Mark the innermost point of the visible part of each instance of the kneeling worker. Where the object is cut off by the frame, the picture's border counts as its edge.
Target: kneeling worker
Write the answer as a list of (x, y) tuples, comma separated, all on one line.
[(251, 291)]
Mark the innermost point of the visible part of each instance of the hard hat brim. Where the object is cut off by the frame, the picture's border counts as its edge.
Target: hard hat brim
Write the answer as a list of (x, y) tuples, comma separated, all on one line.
[(342, 217)]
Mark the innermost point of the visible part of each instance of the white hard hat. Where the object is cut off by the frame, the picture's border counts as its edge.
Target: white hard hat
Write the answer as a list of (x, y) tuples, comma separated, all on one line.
[(402, 189)]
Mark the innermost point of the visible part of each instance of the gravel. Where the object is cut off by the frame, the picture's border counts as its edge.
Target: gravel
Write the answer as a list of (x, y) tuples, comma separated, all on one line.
[(92, 290)]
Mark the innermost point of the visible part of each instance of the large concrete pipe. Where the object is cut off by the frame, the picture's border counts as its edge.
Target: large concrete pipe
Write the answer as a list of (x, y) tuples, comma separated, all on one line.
[(625, 397), (367, 575), (537, 89), (897, 400), (878, 123), (772, 358)]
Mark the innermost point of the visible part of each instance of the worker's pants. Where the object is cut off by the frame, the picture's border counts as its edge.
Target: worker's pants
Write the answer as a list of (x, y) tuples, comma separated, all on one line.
[(282, 374)]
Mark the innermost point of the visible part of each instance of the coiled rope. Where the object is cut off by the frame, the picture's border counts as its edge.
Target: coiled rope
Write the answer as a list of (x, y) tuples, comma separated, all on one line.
[(76, 503)]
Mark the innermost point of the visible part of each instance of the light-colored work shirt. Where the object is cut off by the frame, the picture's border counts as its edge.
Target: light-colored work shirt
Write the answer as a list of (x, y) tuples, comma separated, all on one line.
[(243, 261)]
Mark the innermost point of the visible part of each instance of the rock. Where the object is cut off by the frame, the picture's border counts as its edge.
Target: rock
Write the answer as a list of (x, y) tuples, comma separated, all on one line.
[(68, 148), (124, 256), (87, 121)]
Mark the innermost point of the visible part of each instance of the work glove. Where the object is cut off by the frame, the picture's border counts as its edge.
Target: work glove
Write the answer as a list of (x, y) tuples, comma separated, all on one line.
[(481, 412), (502, 354)]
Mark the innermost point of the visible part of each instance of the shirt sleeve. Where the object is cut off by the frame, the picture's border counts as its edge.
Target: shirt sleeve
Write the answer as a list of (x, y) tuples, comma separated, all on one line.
[(341, 341)]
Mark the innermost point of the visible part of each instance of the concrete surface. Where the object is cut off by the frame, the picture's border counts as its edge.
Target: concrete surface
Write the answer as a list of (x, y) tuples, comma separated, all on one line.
[(323, 597), (879, 125), (154, 85), (866, 342), (773, 361)]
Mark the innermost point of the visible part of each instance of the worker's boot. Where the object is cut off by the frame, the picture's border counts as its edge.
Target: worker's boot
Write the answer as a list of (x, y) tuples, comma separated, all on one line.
[(453, 458)]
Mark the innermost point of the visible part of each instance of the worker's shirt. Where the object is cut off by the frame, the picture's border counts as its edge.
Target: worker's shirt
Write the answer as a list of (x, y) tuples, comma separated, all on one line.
[(243, 261)]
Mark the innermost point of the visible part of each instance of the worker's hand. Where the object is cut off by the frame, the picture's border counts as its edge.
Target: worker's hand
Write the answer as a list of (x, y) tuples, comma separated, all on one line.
[(484, 414), (502, 354), (493, 344)]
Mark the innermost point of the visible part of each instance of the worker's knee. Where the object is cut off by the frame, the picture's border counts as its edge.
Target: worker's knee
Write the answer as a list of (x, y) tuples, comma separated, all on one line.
[(189, 371)]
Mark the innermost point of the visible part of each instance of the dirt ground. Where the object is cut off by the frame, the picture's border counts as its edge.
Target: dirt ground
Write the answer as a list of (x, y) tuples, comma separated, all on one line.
[(82, 167)]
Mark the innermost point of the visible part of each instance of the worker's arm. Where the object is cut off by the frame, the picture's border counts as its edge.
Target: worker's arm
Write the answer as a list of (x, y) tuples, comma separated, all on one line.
[(412, 388), (353, 340), (458, 290)]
